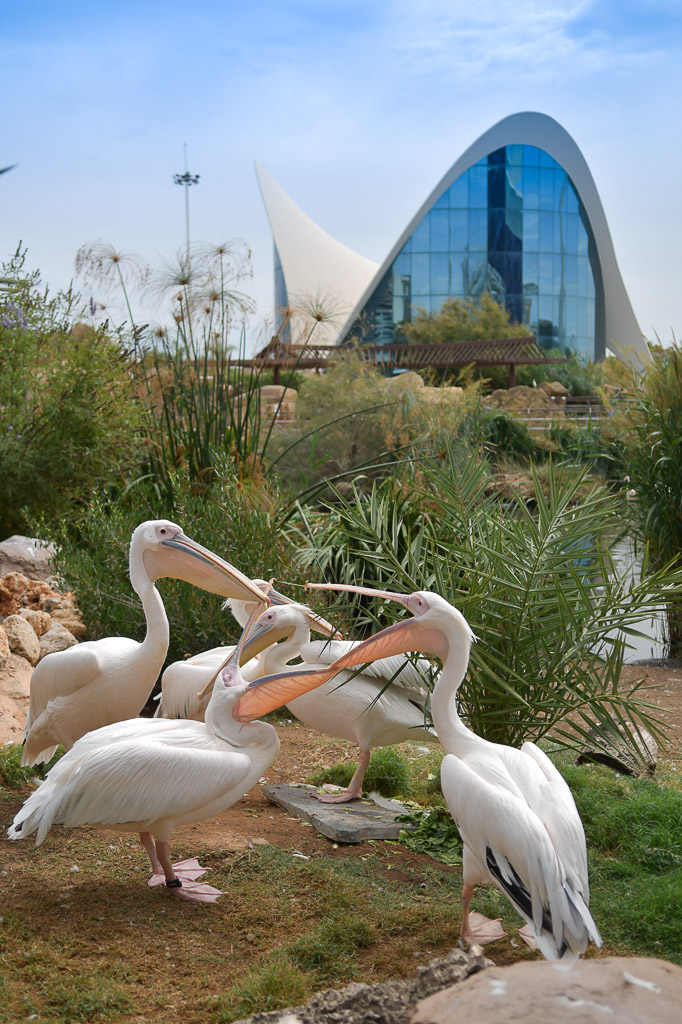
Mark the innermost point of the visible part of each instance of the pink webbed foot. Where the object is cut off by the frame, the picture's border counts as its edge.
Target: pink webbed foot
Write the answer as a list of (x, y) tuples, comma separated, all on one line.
[(344, 797), (483, 929), (527, 936), (198, 892), (186, 870)]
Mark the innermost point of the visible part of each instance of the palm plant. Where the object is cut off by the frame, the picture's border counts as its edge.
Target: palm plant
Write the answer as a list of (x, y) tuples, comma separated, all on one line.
[(653, 434), (536, 581)]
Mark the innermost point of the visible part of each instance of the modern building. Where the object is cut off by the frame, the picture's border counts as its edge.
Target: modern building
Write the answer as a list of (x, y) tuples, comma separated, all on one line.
[(518, 215)]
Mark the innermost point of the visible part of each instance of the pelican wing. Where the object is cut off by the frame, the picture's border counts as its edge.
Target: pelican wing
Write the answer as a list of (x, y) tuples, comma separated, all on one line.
[(138, 779), (180, 686), (64, 672), (509, 838), (561, 818), (399, 669)]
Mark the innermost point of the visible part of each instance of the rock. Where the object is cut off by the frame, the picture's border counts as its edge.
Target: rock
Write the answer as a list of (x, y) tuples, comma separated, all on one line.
[(275, 398), (554, 389), (629, 990), (22, 638), (4, 647), (40, 621), (27, 555), (70, 618), (387, 1003), (521, 397), (346, 823), (57, 638), (18, 591), (15, 685)]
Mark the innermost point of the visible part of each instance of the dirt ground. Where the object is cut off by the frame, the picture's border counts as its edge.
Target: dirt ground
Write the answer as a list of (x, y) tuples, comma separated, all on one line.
[(44, 891)]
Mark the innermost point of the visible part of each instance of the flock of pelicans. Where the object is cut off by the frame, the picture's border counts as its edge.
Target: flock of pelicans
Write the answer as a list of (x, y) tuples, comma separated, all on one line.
[(205, 749)]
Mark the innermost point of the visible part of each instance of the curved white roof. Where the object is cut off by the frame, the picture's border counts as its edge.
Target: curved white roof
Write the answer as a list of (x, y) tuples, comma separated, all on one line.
[(317, 268), (312, 260)]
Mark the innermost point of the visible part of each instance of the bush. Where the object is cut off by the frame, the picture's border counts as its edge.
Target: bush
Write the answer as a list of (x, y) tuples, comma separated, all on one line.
[(535, 580), (387, 774), (70, 419)]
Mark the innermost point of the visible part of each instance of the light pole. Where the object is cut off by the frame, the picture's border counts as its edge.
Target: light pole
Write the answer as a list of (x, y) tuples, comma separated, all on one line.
[(186, 180)]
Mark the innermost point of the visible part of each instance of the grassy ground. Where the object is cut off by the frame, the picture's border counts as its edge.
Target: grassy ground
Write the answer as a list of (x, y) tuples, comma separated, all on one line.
[(84, 939)]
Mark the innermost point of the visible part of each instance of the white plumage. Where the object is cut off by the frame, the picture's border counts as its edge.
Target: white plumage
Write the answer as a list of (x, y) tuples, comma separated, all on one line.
[(151, 775), (99, 682), (384, 704), (517, 817)]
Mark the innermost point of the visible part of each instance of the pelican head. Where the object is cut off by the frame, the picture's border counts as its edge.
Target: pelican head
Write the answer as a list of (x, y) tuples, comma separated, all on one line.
[(164, 550), (242, 610)]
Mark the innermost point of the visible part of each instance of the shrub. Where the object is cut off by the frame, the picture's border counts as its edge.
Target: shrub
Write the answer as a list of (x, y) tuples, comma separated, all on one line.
[(535, 580), (70, 420), (387, 774)]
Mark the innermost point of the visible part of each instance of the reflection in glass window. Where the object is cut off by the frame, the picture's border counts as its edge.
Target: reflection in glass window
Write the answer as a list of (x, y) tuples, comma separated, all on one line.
[(440, 273), (459, 230), (478, 187), (421, 236), (510, 225), (459, 193), (421, 274), (440, 230)]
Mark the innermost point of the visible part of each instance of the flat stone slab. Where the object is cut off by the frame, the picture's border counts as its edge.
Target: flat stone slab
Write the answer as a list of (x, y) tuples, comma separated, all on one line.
[(345, 823)]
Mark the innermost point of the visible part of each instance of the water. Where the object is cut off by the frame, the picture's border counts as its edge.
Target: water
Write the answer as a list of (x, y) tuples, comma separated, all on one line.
[(653, 645)]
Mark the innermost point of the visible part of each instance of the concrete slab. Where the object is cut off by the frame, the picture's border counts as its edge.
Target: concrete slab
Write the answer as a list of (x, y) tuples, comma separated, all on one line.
[(345, 823)]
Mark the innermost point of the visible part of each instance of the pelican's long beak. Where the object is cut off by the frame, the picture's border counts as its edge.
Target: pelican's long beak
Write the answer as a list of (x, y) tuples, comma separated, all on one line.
[(184, 559), (316, 621), (250, 645), (272, 692)]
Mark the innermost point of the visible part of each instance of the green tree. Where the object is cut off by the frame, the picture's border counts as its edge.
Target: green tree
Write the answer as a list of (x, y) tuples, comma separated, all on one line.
[(463, 320)]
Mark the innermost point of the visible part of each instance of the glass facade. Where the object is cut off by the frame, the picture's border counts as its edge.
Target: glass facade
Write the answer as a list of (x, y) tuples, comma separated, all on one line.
[(511, 225)]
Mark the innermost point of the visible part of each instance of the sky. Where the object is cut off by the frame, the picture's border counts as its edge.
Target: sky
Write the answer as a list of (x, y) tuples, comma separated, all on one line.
[(357, 109)]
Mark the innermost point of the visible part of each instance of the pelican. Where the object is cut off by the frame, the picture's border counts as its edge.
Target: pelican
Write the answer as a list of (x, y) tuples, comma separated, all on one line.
[(519, 824), (362, 708), (186, 685), (103, 681), (149, 775)]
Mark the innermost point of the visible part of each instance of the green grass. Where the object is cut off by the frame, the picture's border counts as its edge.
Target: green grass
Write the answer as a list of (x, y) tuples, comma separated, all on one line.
[(13, 775), (387, 774)]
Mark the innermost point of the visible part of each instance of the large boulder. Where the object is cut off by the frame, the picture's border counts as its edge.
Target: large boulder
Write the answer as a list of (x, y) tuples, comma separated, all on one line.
[(27, 555), (4, 648), (17, 591), (22, 638), (57, 638), (627, 990), (520, 399), (15, 685)]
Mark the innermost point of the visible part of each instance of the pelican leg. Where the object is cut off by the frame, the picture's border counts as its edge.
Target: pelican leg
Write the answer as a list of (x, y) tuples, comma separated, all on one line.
[(354, 791), (184, 881), (476, 927)]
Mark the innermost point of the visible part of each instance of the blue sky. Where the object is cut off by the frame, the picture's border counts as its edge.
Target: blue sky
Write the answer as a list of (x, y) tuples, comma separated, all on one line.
[(357, 109)]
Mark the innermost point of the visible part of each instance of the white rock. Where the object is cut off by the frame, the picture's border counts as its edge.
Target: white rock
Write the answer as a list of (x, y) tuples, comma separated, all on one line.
[(22, 638)]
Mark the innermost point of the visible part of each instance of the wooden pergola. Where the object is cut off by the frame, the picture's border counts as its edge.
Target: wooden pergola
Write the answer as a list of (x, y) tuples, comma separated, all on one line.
[(511, 352)]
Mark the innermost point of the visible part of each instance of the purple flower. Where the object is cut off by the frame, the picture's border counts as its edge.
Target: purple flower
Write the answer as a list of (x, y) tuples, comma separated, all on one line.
[(93, 307)]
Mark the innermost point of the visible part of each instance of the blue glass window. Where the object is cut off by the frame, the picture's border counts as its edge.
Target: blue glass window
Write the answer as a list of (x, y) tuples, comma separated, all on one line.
[(421, 274), (510, 225), (478, 187), (440, 230), (478, 231), (459, 230), (440, 273), (546, 188), (531, 188), (459, 193)]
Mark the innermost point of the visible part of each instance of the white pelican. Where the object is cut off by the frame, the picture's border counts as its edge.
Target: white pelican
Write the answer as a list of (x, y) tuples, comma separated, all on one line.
[(519, 824), (362, 708), (186, 685), (103, 681), (149, 775)]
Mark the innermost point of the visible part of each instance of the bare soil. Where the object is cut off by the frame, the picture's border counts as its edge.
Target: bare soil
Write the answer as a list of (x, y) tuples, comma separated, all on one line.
[(81, 906)]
